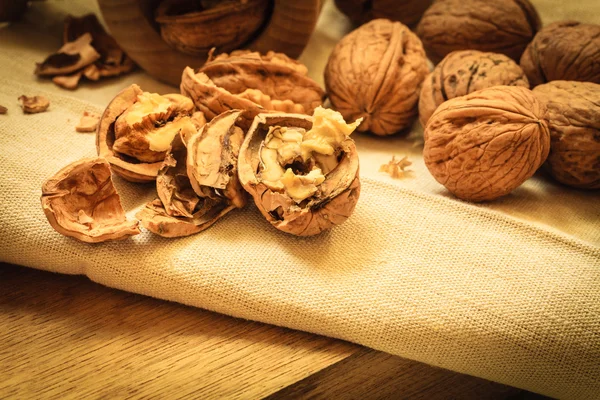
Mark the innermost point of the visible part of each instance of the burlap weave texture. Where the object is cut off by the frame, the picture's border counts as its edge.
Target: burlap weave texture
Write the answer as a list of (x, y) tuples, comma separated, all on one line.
[(508, 291)]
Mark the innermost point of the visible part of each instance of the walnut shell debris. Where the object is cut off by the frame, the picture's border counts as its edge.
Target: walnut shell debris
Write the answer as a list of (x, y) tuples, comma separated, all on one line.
[(574, 121), (136, 130), (566, 50), (499, 26), (408, 12), (302, 171), (88, 122), (71, 57), (397, 168), (484, 145), (34, 104), (3, 110), (251, 82), (81, 201), (465, 71), (375, 73)]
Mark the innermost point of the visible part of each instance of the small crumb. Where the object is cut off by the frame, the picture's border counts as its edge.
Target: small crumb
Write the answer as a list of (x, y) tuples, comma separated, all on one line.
[(88, 122), (3, 110), (396, 168), (35, 104)]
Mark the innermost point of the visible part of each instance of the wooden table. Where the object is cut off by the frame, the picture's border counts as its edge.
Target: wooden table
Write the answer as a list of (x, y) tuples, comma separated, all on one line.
[(67, 337)]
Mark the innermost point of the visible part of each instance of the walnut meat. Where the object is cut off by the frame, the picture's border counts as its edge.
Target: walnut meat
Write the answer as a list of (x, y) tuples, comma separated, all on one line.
[(251, 82), (574, 121), (499, 26), (302, 171), (408, 12), (136, 130), (465, 71), (375, 73), (565, 50), (81, 201), (483, 145)]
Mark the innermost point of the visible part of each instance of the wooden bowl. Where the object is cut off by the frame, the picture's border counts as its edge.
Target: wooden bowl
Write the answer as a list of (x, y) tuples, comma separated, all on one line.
[(132, 24)]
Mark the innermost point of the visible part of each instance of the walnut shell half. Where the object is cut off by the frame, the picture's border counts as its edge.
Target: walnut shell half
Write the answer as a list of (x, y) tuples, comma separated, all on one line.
[(574, 121), (302, 171), (375, 73), (499, 26), (465, 71), (81, 201), (483, 145), (566, 50)]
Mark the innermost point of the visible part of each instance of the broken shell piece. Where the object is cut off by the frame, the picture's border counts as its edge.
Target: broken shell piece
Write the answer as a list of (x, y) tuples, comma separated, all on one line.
[(302, 171), (397, 168), (68, 81), (137, 128), (34, 104), (81, 201), (69, 58), (213, 157), (88, 122), (3, 110)]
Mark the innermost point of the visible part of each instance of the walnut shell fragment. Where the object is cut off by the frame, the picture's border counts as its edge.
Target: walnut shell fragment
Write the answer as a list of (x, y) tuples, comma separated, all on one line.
[(484, 145), (302, 171), (34, 104), (136, 130), (81, 201), (465, 71), (88, 122), (375, 73), (71, 57), (3, 110), (408, 12), (251, 82), (566, 50), (499, 26), (574, 120)]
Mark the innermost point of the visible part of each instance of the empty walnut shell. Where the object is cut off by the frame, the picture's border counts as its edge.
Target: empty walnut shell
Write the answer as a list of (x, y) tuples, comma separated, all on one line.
[(483, 145), (566, 50), (323, 189), (499, 26), (408, 12), (465, 71), (137, 128), (251, 82), (375, 73), (80, 201), (574, 121)]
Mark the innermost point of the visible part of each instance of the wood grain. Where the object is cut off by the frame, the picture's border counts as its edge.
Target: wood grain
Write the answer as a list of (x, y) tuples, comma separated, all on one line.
[(67, 337)]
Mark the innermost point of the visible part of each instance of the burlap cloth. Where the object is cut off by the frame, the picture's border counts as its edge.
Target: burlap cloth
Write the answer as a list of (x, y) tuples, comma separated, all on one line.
[(508, 291)]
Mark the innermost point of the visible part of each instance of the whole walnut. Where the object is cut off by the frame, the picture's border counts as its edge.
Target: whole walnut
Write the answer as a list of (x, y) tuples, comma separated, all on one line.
[(408, 12), (375, 73), (574, 121), (465, 71), (565, 50), (500, 26), (483, 145)]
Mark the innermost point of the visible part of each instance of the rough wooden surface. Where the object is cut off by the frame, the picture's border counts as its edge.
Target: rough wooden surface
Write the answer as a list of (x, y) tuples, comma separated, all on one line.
[(66, 337)]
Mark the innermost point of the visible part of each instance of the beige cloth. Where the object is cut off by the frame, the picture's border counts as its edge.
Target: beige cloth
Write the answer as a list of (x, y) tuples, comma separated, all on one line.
[(508, 291)]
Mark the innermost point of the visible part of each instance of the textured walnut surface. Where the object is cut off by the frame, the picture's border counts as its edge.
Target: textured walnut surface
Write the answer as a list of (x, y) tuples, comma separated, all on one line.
[(574, 121), (566, 50), (483, 145), (375, 73), (500, 26), (465, 71), (408, 12)]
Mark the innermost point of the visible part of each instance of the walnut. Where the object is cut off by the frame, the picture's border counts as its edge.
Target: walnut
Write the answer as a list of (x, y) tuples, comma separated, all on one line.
[(197, 184), (408, 12), (136, 130), (375, 73), (465, 71), (88, 122), (34, 104), (483, 145), (566, 50), (251, 82), (574, 121), (81, 201), (302, 171), (195, 27), (499, 26)]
